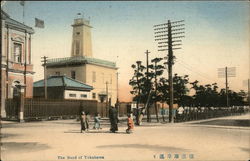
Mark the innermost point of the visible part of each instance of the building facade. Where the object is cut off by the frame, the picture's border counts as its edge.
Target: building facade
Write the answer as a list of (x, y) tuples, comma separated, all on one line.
[(82, 66), (16, 65)]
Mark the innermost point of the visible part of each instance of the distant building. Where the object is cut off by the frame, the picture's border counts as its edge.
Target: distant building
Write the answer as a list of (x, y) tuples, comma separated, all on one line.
[(62, 87), (100, 74), (16, 65)]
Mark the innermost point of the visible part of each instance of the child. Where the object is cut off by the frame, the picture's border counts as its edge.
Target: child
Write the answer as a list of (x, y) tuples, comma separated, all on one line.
[(130, 124), (97, 122)]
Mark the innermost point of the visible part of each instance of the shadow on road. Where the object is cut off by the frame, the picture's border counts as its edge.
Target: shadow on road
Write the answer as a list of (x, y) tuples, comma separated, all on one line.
[(95, 132), (23, 146), (245, 149), (145, 146), (6, 135), (226, 122)]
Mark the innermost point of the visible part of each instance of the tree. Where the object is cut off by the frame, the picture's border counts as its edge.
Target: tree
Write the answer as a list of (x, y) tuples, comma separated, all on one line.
[(137, 85), (158, 71), (180, 89)]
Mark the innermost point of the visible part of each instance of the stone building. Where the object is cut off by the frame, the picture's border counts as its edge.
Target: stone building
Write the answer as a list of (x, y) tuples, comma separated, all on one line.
[(16, 65), (82, 66)]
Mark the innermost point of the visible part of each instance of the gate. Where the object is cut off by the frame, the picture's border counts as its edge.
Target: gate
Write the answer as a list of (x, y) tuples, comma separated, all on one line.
[(11, 108)]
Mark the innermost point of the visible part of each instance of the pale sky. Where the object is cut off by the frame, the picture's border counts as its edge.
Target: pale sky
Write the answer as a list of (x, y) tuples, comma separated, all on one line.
[(216, 35)]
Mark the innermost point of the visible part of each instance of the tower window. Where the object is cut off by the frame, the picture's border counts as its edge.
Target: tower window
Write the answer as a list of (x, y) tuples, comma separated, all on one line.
[(73, 74), (78, 33), (77, 47)]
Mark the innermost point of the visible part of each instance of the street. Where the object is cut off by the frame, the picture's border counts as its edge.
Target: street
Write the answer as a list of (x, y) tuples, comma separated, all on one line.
[(62, 140)]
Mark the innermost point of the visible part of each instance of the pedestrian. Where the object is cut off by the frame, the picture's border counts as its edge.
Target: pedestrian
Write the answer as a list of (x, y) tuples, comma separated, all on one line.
[(87, 121), (97, 124), (83, 121), (113, 117), (180, 111), (130, 124), (142, 113)]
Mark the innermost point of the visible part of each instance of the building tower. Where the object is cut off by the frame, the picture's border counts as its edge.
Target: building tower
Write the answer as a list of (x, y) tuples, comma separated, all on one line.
[(81, 38)]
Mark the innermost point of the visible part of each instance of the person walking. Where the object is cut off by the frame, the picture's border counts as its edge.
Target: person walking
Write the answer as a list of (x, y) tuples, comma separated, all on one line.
[(97, 124), (113, 117), (130, 124), (83, 121), (87, 121)]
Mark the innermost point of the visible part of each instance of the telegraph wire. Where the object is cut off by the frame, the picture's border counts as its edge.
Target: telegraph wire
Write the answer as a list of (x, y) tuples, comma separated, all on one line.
[(188, 67)]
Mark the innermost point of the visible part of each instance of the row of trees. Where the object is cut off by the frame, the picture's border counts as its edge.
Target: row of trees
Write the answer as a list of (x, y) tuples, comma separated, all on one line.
[(149, 86)]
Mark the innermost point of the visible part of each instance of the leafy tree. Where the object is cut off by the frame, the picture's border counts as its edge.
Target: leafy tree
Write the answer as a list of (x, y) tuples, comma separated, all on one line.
[(137, 82), (158, 71)]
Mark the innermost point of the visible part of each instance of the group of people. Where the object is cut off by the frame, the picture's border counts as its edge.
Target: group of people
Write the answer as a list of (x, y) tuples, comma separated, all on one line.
[(84, 118), (113, 117)]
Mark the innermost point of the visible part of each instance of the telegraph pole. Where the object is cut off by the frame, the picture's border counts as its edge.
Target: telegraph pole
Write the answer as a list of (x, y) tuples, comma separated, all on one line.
[(44, 60), (166, 41), (227, 72), (248, 84), (148, 91), (25, 64), (107, 102)]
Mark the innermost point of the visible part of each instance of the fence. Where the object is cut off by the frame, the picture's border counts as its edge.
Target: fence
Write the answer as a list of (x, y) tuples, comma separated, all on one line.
[(194, 113), (47, 109)]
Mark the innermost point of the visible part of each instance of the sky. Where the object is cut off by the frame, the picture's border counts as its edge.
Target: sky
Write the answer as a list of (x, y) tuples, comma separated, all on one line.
[(216, 35)]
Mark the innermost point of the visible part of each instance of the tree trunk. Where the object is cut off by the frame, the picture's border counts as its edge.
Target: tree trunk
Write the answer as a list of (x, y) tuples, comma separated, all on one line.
[(156, 112)]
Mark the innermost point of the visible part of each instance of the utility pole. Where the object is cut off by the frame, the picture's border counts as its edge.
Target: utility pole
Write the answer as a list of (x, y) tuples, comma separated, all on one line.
[(139, 91), (248, 84), (166, 41), (44, 60), (107, 99), (227, 72), (149, 88), (25, 63), (117, 88)]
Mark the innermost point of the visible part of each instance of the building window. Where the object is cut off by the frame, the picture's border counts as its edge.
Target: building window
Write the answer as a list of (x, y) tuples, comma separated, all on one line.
[(17, 54), (77, 47), (93, 95), (57, 73), (93, 76), (73, 74), (110, 78), (103, 78), (78, 33), (83, 95), (72, 95)]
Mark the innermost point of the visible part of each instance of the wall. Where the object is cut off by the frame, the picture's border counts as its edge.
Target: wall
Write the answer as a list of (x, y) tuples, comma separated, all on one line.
[(84, 73), (80, 72), (77, 93), (103, 75)]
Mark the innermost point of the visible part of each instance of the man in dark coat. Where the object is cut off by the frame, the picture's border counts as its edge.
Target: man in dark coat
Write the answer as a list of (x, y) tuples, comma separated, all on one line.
[(113, 117)]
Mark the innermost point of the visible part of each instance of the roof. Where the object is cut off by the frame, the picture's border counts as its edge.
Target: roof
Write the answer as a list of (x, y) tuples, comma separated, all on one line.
[(15, 24), (78, 61), (63, 81)]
